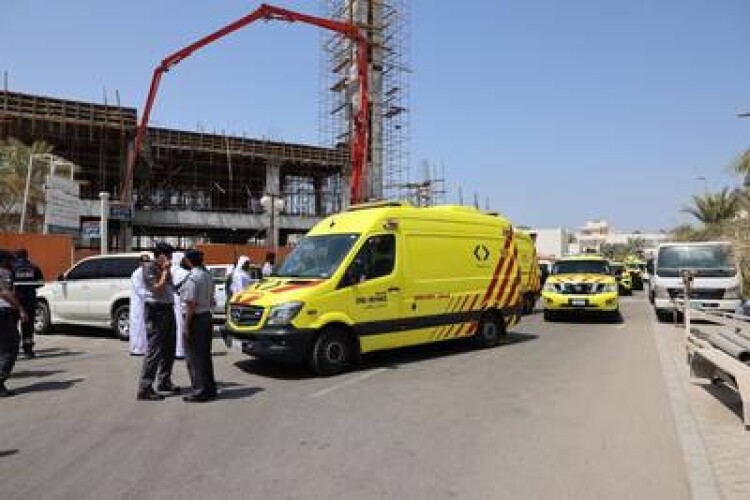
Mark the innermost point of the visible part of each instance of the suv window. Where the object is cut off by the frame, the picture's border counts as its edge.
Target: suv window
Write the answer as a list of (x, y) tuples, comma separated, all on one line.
[(121, 267), (86, 270)]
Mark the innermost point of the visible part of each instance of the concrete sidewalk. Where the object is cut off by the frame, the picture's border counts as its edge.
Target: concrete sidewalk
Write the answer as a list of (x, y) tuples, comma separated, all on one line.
[(717, 411)]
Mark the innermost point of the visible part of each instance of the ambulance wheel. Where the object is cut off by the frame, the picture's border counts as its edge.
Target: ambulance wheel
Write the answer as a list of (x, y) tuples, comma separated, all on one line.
[(491, 328), (42, 318), (331, 354), (121, 321)]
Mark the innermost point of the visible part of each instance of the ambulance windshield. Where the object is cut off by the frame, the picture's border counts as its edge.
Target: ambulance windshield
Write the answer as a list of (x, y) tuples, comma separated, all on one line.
[(317, 256)]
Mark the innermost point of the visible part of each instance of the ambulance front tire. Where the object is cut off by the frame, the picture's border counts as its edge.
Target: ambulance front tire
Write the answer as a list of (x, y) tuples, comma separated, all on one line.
[(491, 328), (332, 352)]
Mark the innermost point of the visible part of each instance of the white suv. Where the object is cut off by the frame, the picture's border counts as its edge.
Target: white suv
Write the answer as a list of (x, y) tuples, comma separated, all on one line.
[(94, 292)]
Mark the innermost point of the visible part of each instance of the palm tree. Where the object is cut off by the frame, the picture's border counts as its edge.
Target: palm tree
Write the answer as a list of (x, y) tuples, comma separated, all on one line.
[(14, 164), (714, 208), (741, 166)]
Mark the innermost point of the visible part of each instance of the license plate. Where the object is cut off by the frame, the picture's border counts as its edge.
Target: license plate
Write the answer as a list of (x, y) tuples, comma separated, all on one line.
[(579, 302)]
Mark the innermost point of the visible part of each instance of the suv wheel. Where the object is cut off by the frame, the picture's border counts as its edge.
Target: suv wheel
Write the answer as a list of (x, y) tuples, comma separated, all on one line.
[(42, 318), (121, 321)]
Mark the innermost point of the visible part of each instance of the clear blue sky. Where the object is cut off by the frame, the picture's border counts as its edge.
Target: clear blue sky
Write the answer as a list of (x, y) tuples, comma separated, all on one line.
[(558, 111)]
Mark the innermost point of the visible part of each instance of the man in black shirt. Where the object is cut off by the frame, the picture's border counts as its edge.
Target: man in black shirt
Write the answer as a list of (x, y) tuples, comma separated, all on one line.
[(26, 279)]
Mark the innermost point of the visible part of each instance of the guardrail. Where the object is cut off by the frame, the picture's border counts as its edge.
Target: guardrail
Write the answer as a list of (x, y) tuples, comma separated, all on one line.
[(719, 356)]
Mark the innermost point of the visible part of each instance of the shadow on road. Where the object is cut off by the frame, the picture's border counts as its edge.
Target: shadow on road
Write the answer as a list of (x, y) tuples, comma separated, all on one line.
[(239, 393), (392, 359), (55, 352), (48, 386), (281, 371), (80, 331), (35, 373), (582, 318)]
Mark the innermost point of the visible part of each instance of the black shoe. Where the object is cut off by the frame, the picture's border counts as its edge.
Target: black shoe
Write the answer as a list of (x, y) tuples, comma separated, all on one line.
[(170, 388), (199, 398), (149, 396), (5, 392)]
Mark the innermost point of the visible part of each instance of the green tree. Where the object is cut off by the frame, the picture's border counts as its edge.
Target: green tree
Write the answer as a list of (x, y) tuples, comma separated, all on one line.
[(714, 208), (14, 164)]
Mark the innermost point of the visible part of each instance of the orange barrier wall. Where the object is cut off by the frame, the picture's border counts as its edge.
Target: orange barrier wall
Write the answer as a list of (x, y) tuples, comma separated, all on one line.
[(228, 254), (53, 253)]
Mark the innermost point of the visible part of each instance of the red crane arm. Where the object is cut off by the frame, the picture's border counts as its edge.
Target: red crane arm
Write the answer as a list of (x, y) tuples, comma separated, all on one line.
[(359, 136)]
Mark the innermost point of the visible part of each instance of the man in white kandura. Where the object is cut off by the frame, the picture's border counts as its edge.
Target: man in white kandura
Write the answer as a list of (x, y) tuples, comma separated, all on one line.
[(179, 275), (241, 275), (137, 320)]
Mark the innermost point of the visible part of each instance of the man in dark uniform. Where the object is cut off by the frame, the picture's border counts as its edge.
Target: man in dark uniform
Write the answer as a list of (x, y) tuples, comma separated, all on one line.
[(10, 311), (197, 295), (160, 326), (26, 279)]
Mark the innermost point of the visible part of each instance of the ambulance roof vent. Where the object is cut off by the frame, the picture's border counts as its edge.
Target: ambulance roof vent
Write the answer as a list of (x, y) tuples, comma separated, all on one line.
[(379, 204)]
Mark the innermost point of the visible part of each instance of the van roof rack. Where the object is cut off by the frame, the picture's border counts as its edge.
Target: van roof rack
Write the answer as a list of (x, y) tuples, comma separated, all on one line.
[(379, 204)]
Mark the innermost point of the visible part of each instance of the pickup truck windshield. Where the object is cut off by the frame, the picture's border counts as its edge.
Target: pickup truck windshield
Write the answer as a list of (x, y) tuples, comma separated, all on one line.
[(317, 256), (581, 267), (706, 260)]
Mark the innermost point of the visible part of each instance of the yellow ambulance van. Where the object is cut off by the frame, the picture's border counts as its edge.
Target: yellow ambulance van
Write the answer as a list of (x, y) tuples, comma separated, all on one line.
[(529, 268), (382, 276)]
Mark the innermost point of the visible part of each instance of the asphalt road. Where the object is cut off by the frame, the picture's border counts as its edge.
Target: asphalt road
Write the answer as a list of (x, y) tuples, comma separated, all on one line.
[(563, 410)]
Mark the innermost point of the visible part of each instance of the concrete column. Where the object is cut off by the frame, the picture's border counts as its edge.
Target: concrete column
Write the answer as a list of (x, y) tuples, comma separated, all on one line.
[(273, 187), (103, 222), (318, 187)]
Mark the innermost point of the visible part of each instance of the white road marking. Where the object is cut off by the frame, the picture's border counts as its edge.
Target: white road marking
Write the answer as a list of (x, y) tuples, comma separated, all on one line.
[(347, 383), (700, 474)]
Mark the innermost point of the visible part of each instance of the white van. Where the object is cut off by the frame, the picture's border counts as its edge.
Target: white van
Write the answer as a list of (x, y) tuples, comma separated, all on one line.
[(717, 283), (94, 292)]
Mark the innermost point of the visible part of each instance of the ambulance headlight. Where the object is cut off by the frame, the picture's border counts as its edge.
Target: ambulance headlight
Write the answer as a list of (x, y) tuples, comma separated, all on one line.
[(609, 288), (549, 287), (283, 314)]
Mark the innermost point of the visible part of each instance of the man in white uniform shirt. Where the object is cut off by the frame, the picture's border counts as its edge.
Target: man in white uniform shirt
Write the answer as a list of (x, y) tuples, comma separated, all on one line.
[(179, 275), (137, 321)]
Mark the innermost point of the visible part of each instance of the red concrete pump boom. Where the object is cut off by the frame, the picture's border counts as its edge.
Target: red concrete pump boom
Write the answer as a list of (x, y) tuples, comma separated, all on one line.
[(360, 132)]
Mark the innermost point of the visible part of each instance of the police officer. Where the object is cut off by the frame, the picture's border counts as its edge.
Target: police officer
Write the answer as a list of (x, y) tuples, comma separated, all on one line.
[(10, 311), (160, 326), (26, 279), (197, 295)]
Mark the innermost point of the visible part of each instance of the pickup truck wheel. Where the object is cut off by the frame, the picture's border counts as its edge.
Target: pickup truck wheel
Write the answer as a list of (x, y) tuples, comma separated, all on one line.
[(121, 321), (331, 354), (42, 322), (491, 328)]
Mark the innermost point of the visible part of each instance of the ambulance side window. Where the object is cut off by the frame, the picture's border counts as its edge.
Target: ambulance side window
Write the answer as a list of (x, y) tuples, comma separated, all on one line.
[(375, 259)]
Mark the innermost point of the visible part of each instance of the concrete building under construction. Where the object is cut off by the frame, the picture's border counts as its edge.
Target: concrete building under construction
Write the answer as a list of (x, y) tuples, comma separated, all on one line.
[(188, 186)]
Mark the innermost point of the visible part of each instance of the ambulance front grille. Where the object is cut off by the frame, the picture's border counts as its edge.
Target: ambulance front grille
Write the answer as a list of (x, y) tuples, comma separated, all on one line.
[(245, 315)]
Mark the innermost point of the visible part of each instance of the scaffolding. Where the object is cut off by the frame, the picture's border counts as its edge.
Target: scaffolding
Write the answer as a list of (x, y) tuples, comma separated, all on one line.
[(386, 23)]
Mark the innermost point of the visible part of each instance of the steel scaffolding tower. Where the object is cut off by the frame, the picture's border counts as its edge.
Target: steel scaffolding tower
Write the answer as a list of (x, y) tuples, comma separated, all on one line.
[(386, 23)]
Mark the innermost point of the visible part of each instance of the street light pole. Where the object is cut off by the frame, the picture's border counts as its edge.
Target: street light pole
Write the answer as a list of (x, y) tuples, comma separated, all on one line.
[(103, 221)]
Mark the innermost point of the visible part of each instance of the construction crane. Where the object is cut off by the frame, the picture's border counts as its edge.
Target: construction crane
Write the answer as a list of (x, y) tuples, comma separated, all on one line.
[(359, 134)]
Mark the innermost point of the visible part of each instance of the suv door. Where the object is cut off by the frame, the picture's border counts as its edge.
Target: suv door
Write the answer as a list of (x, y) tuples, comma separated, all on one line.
[(72, 293), (112, 281)]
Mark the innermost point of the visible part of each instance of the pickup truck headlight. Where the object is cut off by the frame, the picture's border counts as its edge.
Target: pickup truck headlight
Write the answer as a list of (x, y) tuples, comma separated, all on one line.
[(733, 292), (283, 314), (549, 287)]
